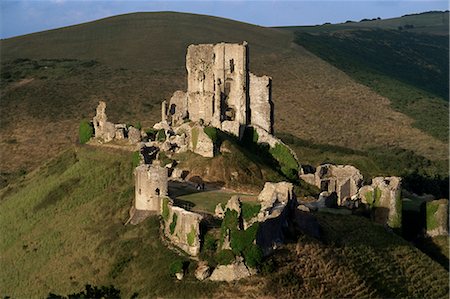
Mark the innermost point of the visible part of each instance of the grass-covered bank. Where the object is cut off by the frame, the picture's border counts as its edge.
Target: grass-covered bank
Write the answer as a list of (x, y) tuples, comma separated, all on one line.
[(62, 227)]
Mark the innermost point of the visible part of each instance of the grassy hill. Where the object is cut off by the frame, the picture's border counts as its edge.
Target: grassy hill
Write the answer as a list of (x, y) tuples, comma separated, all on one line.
[(433, 22), (62, 226), (52, 79)]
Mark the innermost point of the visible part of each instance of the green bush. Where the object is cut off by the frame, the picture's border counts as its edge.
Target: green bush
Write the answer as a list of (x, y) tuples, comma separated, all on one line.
[(176, 267), (161, 135), (230, 221), (162, 157), (224, 257), (210, 243), (138, 125), (250, 210), (253, 255), (173, 224), (242, 239), (85, 132)]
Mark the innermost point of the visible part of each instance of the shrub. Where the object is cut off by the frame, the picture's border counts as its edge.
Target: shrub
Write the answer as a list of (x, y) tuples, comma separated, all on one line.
[(176, 267), (85, 131), (249, 210), (161, 135), (164, 159), (242, 239), (138, 125), (173, 224), (230, 221), (210, 243), (253, 255), (224, 257), (151, 133)]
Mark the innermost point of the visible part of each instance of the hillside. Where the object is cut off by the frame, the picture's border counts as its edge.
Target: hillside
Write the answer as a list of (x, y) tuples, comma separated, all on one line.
[(433, 22), (51, 79), (62, 227)]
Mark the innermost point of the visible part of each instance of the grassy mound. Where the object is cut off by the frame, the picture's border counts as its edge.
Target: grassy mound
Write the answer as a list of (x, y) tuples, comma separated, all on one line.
[(62, 227)]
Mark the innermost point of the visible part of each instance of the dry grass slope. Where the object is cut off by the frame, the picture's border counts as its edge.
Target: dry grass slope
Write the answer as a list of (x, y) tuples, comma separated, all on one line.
[(141, 62)]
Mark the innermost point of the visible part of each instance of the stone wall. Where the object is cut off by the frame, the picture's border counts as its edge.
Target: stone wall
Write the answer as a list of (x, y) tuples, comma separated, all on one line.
[(150, 186), (261, 106), (384, 197), (181, 227), (217, 81), (345, 180)]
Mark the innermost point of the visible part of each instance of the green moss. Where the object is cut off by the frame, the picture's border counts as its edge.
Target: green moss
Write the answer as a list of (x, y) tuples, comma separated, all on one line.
[(224, 257), (212, 134), (373, 197), (191, 236), (396, 220), (173, 224), (161, 135), (250, 210), (431, 214), (194, 138), (165, 209), (230, 222), (85, 131), (288, 163)]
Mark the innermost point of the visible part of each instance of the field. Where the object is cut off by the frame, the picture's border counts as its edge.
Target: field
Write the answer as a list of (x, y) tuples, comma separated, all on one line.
[(62, 226)]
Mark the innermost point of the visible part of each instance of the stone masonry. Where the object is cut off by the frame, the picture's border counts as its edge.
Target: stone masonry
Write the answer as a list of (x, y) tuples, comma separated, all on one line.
[(345, 180), (151, 186), (221, 91), (384, 197)]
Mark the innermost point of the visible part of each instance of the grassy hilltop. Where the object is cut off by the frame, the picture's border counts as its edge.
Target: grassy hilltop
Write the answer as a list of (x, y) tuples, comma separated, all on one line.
[(52, 79), (62, 226)]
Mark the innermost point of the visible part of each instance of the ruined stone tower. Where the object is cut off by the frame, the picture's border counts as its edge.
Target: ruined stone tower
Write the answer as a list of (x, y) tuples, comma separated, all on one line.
[(151, 186), (221, 91)]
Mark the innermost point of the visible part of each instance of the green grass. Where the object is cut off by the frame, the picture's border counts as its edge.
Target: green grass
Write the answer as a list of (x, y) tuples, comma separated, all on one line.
[(208, 200), (63, 227), (408, 68), (359, 256), (85, 131)]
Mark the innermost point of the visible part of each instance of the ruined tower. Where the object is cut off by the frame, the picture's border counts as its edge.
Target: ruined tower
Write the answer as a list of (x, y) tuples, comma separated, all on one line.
[(151, 186)]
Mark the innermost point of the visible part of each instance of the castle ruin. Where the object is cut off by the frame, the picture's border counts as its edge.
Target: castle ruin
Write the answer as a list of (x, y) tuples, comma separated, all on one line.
[(221, 91)]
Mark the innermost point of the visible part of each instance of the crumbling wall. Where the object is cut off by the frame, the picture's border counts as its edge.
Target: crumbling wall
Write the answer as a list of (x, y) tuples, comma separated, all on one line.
[(384, 198), (200, 143), (150, 186), (177, 108), (261, 105), (181, 227), (217, 82), (436, 213), (345, 180), (277, 200), (103, 129)]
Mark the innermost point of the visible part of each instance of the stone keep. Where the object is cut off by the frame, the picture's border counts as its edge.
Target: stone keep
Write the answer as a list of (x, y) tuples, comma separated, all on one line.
[(151, 186), (221, 91), (384, 196)]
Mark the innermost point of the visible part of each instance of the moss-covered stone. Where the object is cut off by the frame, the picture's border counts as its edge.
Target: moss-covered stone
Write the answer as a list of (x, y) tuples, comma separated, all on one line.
[(173, 224)]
